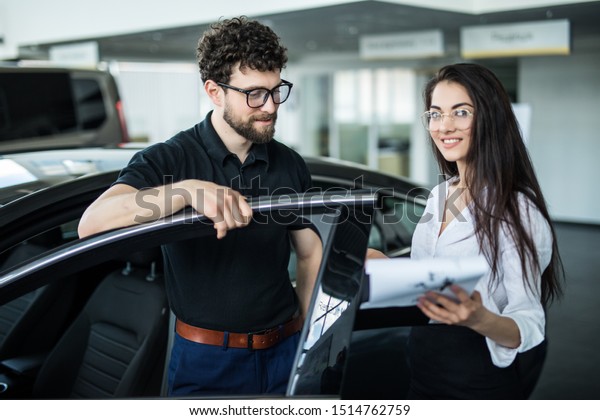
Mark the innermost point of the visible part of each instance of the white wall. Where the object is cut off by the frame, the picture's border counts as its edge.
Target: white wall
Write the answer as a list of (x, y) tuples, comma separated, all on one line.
[(564, 93), (159, 100)]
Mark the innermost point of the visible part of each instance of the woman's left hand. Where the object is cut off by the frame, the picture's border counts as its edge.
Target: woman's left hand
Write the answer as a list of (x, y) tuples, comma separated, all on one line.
[(465, 310), (468, 311)]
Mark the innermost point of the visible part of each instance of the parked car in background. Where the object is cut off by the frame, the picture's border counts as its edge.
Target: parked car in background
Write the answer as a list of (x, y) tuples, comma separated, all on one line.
[(51, 108)]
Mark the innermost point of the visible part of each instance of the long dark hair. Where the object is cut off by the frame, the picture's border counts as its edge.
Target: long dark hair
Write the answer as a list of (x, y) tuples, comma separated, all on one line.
[(498, 169)]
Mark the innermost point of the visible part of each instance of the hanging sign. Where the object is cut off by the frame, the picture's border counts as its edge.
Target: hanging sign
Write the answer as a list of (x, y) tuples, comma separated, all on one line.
[(83, 54), (518, 39), (402, 45)]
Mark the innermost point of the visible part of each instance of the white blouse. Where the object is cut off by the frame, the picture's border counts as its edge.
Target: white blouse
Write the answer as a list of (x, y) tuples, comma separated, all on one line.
[(510, 297)]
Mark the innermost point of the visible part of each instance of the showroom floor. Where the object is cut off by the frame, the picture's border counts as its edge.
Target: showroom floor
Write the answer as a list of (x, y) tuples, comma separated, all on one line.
[(572, 369)]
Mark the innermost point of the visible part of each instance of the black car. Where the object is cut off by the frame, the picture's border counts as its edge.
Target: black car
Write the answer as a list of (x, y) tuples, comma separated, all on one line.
[(88, 318), (401, 209)]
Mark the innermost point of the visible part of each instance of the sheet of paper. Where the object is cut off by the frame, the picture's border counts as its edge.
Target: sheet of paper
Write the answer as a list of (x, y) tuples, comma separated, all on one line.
[(400, 281)]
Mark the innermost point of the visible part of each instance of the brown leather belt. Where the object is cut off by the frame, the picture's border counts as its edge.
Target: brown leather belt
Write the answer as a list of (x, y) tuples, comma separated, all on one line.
[(255, 341)]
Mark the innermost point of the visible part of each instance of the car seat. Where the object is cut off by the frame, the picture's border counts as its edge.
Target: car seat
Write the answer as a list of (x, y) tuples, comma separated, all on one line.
[(31, 324), (116, 345)]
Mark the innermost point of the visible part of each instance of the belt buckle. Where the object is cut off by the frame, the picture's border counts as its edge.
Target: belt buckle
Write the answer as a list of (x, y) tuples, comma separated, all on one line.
[(250, 337)]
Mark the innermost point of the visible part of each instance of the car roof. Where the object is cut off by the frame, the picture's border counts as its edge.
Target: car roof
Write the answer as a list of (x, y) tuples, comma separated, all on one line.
[(360, 176), (13, 67), (26, 172)]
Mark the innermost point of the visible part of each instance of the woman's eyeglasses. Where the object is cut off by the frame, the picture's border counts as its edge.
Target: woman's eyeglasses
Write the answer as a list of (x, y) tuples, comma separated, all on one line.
[(432, 120)]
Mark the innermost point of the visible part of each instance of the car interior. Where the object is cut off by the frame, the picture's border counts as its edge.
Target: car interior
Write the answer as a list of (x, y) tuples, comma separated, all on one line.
[(31, 324), (75, 337), (106, 352)]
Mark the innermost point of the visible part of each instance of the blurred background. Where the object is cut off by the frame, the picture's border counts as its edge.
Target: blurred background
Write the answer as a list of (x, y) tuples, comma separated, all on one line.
[(358, 68)]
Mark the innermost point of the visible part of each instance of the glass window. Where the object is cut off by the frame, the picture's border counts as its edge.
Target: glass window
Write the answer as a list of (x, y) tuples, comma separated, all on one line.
[(373, 114), (402, 211), (90, 103), (35, 105)]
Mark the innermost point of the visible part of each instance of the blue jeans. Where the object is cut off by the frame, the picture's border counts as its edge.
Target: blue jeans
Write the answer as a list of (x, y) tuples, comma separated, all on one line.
[(205, 370)]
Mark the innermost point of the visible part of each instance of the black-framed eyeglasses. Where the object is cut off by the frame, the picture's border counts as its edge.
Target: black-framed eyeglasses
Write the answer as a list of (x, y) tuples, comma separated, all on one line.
[(255, 98)]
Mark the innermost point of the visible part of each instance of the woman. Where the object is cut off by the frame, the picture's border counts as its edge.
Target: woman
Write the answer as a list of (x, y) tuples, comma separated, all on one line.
[(490, 204)]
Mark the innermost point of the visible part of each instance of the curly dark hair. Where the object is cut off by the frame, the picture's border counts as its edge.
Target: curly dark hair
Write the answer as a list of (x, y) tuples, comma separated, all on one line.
[(241, 41)]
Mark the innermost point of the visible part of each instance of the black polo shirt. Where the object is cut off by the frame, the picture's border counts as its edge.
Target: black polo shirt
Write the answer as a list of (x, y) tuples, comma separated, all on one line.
[(239, 283)]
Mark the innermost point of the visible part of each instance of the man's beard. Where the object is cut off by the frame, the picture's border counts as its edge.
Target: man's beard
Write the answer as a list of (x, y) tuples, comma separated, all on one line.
[(247, 130)]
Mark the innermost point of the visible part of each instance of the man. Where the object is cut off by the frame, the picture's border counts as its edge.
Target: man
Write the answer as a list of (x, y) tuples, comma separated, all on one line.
[(238, 316)]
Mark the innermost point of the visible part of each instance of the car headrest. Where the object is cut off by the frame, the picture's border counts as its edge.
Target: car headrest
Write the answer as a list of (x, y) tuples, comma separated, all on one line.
[(143, 258), (148, 259)]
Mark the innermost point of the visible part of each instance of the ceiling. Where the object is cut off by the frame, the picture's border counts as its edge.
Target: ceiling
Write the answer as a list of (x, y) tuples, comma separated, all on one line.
[(330, 30)]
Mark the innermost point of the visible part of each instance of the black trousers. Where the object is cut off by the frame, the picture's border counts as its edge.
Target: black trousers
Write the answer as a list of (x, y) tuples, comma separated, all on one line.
[(451, 362)]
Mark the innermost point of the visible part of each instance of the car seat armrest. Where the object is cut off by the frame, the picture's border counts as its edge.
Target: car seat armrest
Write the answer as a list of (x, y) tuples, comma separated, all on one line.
[(23, 365)]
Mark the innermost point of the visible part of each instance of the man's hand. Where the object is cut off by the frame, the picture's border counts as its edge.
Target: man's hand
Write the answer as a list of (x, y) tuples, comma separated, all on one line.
[(227, 208), (122, 205)]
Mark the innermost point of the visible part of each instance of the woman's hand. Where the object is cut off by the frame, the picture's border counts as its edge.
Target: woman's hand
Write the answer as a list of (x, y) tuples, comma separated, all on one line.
[(373, 253), (465, 310), (468, 311)]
